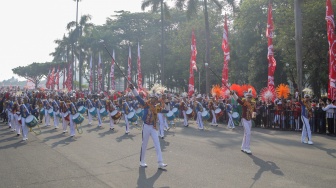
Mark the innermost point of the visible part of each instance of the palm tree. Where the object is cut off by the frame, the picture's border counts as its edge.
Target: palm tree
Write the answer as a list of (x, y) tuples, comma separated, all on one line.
[(164, 12), (192, 7)]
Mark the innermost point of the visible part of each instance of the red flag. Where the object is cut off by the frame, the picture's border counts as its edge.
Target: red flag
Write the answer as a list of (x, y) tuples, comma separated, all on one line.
[(193, 66), (226, 51), (270, 55), (64, 81), (69, 78), (91, 79), (113, 87), (129, 76), (139, 70), (48, 79), (100, 80), (57, 77), (52, 79), (332, 50)]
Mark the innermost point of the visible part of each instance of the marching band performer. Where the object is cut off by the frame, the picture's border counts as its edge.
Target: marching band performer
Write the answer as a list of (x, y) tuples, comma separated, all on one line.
[(73, 111), (126, 109), (9, 106), (46, 106), (110, 108), (25, 110), (249, 112), (63, 111), (199, 109), (306, 113), (151, 110), (89, 105), (162, 117), (212, 107), (99, 106), (184, 108), (16, 114), (55, 106), (229, 109)]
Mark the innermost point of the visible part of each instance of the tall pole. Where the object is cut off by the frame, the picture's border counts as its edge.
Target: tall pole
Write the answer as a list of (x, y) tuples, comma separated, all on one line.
[(74, 85), (162, 46), (207, 47), (298, 41)]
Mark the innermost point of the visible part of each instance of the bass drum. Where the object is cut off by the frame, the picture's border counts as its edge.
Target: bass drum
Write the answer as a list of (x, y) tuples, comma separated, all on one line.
[(170, 116), (205, 115), (190, 113), (132, 117), (31, 121), (78, 118), (115, 115)]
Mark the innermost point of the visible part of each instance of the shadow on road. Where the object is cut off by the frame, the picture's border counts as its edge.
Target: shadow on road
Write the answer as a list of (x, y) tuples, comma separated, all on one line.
[(143, 181), (63, 142), (331, 152), (108, 132), (264, 166), (125, 136)]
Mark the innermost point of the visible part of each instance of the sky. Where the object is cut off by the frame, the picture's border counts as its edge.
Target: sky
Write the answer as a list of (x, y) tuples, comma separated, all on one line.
[(29, 27)]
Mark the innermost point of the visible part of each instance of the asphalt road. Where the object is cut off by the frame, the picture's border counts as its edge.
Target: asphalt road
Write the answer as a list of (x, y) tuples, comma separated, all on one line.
[(210, 158)]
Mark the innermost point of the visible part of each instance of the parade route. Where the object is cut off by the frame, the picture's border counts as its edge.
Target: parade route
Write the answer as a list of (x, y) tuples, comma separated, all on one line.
[(209, 158)]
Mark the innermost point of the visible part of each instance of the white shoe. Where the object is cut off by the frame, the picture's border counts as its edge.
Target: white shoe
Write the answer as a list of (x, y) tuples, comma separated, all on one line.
[(162, 166), (247, 151), (233, 127), (24, 139), (310, 143), (56, 127), (305, 142), (143, 165)]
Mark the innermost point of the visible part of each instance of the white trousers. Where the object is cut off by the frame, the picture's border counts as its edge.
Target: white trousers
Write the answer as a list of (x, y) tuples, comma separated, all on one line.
[(10, 117), (90, 117), (163, 124), (111, 121), (72, 126), (18, 125), (14, 121), (46, 118), (185, 118), (297, 123), (306, 133), (64, 123), (214, 120), (99, 119), (230, 122), (199, 120), (56, 122), (149, 131), (247, 134), (24, 128), (126, 123)]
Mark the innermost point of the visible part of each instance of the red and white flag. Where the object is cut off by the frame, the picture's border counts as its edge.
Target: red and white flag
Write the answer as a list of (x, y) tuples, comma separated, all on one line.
[(191, 87), (57, 77), (113, 86), (69, 78), (270, 54), (64, 79), (332, 50), (100, 80), (139, 70), (91, 79), (52, 79), (226, 51), (48, 79), (129, 76)]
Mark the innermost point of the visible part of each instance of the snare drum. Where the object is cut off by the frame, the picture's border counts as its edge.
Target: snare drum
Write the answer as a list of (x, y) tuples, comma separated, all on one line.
[(205, 115), (78, 118), (103, 112), (115, 115), (218, 110), (51, 112), (132, 117), (93, 111), (175, 111), (139, 112), (31, 121), (66, 116), (170, 116), (190, 113), (235, 115), (82, 109), (58, 114)]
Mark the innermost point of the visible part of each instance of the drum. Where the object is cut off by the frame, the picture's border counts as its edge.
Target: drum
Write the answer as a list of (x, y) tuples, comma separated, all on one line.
[(66, 116), (115, 115), (139, 112), (103, 112), (132, 117), (58, 114), (93, 111), (31, 121), (218, 110), (51, 112), (78, 118), (82, 109), (175, 111), (190, 113), (20, 120), (42, 111), (205, 115), (170, 116), (235, 115)]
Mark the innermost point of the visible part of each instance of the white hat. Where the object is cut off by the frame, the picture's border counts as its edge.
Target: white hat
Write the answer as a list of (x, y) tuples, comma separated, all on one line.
[(198, 96)]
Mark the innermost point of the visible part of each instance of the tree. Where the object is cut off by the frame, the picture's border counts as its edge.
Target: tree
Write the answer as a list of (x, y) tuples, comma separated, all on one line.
[(164, 11), (192, 9)]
